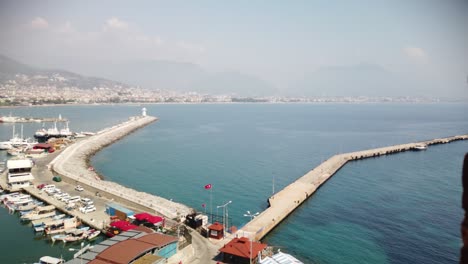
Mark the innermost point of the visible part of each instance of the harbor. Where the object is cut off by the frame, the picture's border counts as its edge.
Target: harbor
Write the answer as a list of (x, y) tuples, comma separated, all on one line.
[(72, 164), (284, 202)]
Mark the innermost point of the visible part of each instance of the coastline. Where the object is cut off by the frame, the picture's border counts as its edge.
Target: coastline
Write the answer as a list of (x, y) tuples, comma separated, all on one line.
[(73, 163)]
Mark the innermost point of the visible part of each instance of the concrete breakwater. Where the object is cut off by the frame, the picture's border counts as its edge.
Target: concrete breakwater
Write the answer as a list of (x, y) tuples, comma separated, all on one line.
[(287, 200), (72, 163)]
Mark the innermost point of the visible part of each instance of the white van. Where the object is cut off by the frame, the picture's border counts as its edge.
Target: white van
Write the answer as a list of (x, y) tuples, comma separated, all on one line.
[(47, 187), (74, 199)]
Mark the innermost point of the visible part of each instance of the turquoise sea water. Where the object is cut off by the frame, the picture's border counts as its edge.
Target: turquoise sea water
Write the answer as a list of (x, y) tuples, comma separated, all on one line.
[(394, 209)]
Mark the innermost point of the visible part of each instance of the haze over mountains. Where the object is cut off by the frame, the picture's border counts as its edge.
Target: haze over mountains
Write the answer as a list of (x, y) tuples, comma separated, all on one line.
[(10, 68), (355, 80)]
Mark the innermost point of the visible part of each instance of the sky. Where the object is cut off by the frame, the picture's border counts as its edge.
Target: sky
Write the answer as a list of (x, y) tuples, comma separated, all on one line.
[(280, 42)]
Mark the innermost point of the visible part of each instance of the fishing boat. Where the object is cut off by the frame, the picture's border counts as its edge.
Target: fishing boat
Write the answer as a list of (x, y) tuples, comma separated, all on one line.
[(40, 224), (62, 226), (93, 233), (65, 132), (39, 213), (15, 197), (72, 235)]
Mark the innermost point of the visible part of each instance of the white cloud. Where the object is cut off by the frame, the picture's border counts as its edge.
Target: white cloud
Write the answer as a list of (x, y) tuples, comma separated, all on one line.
[(415, 52), (39, 23), (115, 24)]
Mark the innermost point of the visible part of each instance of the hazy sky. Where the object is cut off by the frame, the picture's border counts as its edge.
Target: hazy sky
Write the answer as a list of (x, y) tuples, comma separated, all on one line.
[(278, 41)]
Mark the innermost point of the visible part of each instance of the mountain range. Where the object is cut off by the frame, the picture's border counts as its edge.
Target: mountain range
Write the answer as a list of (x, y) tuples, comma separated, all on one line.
[(352, 80), (10, 69)]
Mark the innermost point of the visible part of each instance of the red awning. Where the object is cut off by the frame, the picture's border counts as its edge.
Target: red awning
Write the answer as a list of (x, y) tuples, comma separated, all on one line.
[(123, 225), (149, 218), (42, 146)]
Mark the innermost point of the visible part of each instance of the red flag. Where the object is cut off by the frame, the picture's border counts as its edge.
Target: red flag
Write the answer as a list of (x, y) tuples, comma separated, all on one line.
[(208, 186)]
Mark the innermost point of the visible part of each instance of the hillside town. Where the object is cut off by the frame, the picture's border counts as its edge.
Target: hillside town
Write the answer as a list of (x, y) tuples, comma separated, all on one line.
[(27, 90)]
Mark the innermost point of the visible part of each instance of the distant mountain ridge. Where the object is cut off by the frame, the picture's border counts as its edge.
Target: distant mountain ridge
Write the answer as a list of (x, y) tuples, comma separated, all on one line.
[(185, 77), (9, 69)]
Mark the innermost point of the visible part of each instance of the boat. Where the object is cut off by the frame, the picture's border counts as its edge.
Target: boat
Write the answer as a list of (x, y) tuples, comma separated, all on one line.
[(40, 224), (72, 235), (92, 234), (420, 147), (62, 226), (50, 260), (15, 197), (16, 141), (65, 132), (39, 213)]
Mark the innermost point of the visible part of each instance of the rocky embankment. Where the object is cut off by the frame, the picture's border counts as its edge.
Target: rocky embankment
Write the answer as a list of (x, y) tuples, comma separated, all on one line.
[(73, 163)]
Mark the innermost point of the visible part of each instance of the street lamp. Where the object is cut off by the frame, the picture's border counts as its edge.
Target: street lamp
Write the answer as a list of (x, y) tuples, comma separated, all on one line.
[(248, 214), (224, 206), (80, 252)]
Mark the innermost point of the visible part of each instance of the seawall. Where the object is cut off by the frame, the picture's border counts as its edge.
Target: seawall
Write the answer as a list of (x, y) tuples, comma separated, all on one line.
[(72, 164), (292, 196)]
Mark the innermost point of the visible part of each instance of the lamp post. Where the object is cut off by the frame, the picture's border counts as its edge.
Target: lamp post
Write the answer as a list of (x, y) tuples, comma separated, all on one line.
[(81, 249), (224, 206), (248, 214)]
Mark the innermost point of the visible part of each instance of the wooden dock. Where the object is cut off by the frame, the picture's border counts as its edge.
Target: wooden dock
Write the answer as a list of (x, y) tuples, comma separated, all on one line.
[(287, 200)]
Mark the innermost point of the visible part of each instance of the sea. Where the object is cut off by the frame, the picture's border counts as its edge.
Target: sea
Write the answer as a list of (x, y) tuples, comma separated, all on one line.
[(400, 208)]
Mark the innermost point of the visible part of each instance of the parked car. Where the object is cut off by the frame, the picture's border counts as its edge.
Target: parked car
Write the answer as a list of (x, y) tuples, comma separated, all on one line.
[(86, 202), (88, 209), (40, 186), (79, 188), (64, 197)]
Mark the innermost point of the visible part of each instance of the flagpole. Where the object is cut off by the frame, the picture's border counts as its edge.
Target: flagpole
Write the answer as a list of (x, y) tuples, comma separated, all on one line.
[(211, 203)]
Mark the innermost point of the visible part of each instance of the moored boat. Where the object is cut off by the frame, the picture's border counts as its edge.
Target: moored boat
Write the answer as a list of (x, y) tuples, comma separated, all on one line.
[(62, 226), (420, 147), (39, 213)]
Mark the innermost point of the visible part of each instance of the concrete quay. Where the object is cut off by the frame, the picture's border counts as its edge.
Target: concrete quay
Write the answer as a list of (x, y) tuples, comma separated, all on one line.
[(287, 200), (73, 165)]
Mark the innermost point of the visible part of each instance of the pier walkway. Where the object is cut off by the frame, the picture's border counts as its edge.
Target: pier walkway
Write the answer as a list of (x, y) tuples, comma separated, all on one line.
[(287, 200), (73, 165)]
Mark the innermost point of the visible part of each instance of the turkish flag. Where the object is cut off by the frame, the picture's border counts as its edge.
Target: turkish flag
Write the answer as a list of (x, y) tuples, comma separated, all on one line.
[(208, 186)]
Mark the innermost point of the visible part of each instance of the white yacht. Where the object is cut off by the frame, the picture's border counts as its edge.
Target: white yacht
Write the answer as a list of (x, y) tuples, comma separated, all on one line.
[(16, 141), (65, 132), (420, 147)]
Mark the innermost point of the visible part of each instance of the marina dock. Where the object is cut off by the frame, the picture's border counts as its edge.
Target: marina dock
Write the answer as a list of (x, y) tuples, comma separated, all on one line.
[(292, 196), (73, 165)]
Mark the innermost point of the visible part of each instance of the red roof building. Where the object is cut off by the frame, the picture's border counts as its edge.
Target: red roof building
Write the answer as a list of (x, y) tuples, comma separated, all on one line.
[(216, 230), (238, 251), (131, 250)]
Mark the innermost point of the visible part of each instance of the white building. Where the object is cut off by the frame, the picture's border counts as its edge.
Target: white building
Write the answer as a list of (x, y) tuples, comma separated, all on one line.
[(19, 173)]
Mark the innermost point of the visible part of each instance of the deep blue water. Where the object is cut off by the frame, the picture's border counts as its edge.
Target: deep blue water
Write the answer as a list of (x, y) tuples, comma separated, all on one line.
[(396, 209)]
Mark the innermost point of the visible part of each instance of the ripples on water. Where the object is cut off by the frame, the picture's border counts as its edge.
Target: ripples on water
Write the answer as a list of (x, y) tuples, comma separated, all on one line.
[(395, 209)]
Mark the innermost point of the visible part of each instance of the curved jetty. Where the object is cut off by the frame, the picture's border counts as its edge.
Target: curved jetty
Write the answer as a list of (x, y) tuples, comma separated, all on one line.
[(287, 200), (73, 163)]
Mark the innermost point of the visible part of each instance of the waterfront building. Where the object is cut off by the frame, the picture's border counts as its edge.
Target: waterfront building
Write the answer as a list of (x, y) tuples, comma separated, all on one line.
[(240, 250), (19, 173), (216, 230), (130, 247)]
